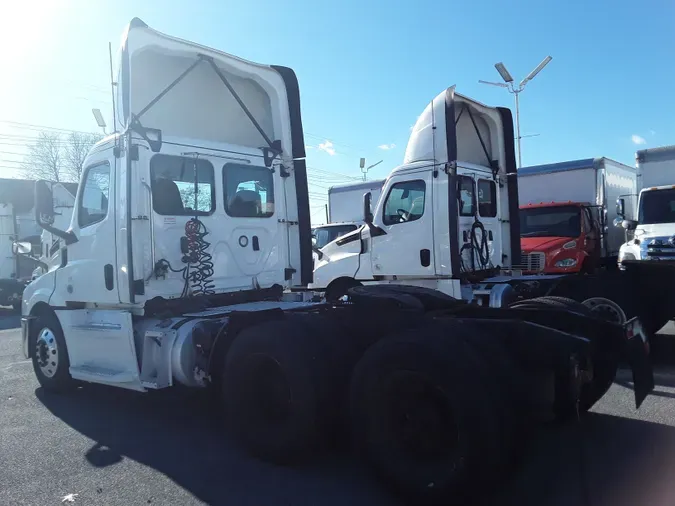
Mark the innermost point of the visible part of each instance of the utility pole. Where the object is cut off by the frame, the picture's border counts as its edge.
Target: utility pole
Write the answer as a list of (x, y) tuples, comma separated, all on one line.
[(508, 84), (326, 207)]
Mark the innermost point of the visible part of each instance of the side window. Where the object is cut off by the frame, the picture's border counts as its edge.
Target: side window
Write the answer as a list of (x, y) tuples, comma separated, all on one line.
[(249, 191), (487, 198), (465, 194), (94, 198), (172, 179), (405, 202)]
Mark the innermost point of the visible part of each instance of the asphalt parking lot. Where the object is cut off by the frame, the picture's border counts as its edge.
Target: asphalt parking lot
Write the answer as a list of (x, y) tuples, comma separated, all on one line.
[(111, 447)]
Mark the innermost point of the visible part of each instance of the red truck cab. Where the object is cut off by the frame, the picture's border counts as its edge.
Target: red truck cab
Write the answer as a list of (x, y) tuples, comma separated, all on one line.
[(559, 238)]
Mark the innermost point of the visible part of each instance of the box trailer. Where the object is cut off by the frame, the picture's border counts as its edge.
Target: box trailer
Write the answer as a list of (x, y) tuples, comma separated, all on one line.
[(345, 201)]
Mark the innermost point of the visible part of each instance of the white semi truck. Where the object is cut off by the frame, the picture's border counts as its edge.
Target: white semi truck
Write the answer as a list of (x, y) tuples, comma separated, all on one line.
[(187, 236), (652, 225)]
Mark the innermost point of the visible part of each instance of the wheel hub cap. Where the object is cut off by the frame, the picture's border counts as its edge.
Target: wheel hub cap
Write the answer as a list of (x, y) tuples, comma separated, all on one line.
[(47, 352), (606, 309)]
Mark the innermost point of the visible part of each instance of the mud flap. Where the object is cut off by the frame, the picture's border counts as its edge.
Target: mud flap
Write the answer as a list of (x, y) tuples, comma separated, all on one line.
[(637, 354)]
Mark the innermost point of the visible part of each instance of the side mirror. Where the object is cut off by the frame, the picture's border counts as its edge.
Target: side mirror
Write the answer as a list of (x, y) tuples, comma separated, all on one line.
[(21, 248), (313, 241), (629, 224), (367, 213), (620, 207), (44, 211), (44, 203), (618, 222)]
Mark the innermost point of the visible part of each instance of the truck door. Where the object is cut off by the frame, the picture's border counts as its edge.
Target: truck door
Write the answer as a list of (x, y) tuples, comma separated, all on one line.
[(478, 222), (89, 266), (404, 244), (100, 342)]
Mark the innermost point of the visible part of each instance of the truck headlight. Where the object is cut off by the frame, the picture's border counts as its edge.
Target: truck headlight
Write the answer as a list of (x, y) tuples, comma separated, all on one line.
[(567, 262)]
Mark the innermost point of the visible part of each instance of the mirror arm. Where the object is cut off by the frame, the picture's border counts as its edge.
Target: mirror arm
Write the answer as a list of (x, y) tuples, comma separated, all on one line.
[(68, 236), (318, 252)]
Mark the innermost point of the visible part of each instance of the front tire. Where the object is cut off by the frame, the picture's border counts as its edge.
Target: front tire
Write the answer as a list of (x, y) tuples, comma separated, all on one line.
[(339, 288), (50, 354)]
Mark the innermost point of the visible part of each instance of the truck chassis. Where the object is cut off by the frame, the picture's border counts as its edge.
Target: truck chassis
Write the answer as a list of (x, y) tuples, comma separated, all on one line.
[(425, 386)]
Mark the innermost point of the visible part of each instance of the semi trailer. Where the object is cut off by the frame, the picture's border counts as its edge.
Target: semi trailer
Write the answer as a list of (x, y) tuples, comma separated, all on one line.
[(190, 243)]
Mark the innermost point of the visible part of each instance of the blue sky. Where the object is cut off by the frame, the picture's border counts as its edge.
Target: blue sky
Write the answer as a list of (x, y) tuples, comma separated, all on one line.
[(367, 69)]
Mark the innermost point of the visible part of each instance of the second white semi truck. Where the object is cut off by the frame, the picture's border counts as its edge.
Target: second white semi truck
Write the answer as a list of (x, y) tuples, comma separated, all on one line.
[(191, 226), (652, 224)]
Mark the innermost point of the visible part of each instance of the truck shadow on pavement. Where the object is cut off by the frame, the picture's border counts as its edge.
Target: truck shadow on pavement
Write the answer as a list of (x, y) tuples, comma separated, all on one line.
[(604, 460), (179, 435)]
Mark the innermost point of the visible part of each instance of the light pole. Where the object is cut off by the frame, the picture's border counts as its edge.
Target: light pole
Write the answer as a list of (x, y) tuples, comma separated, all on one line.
[(362, 164), (508, 84)]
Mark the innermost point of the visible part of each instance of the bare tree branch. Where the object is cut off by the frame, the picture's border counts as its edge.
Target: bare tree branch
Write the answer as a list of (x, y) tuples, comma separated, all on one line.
[(75, 151), (44, 158)]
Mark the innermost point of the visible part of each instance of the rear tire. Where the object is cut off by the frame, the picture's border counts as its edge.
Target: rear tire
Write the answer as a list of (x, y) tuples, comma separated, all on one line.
[(50, 354), (269, 391), (423, 414)]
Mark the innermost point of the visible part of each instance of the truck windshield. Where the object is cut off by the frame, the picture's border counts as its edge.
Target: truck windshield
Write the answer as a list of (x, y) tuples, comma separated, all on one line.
[(657, 206), (329, 234), (558, 221)]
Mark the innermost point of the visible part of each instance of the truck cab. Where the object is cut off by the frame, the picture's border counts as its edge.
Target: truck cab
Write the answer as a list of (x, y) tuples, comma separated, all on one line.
[(446, 215), (650, 235), (560, 237), (654, 230), (198, 201)]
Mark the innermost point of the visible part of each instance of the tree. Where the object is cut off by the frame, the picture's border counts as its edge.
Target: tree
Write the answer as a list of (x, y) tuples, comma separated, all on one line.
[(44, 160), (75, 151), (57, 158)]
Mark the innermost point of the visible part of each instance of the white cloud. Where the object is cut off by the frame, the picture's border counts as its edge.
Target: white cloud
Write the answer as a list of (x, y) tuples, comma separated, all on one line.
[(327, 146), (309, 147), (387, 146), (637, 139)]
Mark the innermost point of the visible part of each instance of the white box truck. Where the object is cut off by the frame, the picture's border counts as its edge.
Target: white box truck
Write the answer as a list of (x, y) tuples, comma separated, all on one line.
[(187, 237), (567, 211), (653, 224), (345, 201)]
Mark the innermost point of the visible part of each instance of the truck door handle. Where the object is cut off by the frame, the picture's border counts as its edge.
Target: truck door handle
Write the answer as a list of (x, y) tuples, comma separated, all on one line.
[(425, 257), (255, 243), (490, 235), (108, 276)]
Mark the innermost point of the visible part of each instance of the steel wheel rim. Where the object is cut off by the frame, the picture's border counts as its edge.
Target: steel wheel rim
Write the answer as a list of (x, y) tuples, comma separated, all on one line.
[(47, 352), (606, 309)]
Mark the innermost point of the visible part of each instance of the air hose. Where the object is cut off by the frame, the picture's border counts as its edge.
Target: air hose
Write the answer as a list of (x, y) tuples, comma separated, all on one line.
[(199, 268), (478, 246)]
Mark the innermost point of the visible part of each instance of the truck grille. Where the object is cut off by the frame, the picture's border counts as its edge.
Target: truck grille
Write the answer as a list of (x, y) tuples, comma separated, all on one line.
[(660, 248), (532, 262)]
